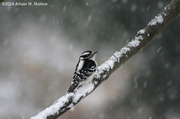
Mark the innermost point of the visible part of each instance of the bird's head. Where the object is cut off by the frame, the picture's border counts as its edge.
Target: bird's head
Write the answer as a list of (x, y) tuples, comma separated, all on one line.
[(88, 55)]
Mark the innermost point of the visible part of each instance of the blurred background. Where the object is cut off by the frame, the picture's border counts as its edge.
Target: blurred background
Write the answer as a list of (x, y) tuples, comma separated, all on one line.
[(40, 46)]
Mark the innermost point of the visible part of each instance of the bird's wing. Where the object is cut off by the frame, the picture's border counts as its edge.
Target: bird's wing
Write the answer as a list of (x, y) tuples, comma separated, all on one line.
[(79, 76)]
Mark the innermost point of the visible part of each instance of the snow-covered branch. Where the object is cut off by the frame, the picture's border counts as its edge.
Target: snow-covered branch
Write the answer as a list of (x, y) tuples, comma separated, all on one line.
[(142, 38)]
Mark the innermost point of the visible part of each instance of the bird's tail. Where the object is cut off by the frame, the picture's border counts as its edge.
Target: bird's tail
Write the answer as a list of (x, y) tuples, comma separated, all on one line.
[(72, 87)]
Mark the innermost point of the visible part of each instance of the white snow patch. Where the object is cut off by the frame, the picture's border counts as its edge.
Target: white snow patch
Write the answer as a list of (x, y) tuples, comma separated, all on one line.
[(142, 31), (158, 19), (124, 50), (104, 76), (118, 54), (134, 43), (167, 8), (111, 62), (164, 14), (139, 38), (95, 82), (53, 109), (103, 67), (83, 91)]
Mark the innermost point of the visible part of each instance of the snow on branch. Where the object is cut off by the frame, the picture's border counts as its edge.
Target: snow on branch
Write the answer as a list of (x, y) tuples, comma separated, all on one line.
[(142, 38)]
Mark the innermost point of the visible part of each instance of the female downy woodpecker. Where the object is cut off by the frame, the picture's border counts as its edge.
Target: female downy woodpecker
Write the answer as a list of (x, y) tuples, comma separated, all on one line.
[(84, 71)]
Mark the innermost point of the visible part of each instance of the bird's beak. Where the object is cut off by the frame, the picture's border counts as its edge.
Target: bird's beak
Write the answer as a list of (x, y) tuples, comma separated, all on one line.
[(94, 53)]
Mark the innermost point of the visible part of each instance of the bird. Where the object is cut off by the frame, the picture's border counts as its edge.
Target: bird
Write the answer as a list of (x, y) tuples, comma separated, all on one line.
[(84, 70)]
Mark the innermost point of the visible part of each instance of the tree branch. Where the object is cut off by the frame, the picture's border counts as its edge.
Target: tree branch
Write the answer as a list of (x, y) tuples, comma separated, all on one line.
[(142, 38)]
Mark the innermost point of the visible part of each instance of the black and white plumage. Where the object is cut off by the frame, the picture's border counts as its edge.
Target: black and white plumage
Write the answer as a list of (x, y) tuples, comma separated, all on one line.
[(84, 71)]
